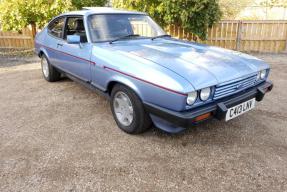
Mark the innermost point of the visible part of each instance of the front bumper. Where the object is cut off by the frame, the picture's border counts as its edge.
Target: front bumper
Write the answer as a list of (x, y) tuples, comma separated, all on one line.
[(218, 108)]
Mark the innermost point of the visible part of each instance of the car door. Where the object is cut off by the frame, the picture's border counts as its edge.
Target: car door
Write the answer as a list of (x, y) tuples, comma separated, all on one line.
[(54, 40), (76, 57)]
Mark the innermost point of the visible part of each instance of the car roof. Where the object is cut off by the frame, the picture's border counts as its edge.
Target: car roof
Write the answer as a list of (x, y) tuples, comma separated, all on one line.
[(101, 10)]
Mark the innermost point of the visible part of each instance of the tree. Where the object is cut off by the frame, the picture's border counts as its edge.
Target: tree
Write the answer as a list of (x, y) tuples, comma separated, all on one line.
[(18, 14), (153, 7), (231, 8), (194, 16), (79, 4), (274, 3)]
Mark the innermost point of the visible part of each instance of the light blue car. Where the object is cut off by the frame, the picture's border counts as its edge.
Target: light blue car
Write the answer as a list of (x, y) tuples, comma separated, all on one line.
[(149, 77)]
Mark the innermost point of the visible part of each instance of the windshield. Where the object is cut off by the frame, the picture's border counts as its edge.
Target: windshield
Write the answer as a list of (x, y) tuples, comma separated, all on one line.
[(113, 26)]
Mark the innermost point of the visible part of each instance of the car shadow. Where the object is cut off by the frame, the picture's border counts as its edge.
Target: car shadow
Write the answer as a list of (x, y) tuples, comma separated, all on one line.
[(212, 132)]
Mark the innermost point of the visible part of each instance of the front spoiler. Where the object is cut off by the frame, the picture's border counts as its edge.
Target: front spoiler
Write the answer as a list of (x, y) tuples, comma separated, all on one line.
[(218, 108)]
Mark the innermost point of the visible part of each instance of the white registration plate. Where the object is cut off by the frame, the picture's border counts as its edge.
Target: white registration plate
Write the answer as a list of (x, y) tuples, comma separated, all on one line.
[(240, 109)]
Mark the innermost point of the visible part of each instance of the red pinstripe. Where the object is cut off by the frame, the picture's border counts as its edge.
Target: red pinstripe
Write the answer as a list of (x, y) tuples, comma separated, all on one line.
[(80, 58), (159, 86)]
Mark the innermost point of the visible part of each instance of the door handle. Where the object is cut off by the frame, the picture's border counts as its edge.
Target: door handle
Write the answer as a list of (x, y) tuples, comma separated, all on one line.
[(59, 45)]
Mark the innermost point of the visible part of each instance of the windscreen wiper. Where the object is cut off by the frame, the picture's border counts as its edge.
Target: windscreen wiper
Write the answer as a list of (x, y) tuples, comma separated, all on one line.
[(124, 37), (160, 36)]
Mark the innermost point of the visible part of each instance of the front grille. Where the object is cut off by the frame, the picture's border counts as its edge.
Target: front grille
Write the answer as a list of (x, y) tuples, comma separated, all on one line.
[(227, 89)]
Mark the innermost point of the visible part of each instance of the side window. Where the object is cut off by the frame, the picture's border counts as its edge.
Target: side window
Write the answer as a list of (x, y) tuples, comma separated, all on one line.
[(56, 27), (75, 26)]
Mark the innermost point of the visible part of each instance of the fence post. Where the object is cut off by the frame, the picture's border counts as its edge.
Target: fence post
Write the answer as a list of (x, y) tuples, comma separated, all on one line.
[(285, 51), (239, 36)]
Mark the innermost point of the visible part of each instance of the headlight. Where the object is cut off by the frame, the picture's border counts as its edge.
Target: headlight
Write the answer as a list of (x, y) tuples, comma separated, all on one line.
[(258, 76), (263, 74), (205, 94), (191, 98)]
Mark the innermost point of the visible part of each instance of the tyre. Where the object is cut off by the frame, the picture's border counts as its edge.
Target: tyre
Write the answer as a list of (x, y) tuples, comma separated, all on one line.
[(128, 110), (50, 73)]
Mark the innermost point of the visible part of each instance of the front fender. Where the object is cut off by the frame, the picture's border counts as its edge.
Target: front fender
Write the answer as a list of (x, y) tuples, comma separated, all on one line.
[(125, 81), (153, 83), (149, 92)]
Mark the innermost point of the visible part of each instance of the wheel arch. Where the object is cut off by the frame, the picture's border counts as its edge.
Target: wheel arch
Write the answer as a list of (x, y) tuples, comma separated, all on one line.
[(126, 82), (40, 53)]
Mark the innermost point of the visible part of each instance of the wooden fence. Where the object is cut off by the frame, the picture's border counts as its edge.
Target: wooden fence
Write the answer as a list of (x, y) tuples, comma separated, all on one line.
[(246, 36), (17, 40)]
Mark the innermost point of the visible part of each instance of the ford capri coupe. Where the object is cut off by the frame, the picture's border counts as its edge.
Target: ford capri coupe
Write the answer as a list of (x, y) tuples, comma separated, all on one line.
[(148, 76)]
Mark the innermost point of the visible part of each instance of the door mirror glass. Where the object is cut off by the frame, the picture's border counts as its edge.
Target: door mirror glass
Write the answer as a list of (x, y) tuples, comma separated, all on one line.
[(73, 39)]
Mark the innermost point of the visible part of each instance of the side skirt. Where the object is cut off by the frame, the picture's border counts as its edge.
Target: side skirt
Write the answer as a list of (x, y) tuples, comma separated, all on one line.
[(86, 84)]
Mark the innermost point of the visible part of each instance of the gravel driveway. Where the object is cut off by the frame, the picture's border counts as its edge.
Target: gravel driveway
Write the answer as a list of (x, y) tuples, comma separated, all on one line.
[(62, 137)]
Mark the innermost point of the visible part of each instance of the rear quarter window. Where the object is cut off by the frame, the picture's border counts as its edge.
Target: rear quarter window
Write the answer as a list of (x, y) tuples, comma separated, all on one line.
[(56, 27)]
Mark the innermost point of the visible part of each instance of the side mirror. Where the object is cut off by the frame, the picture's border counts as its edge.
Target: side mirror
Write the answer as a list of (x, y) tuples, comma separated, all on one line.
[(73, 39)]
